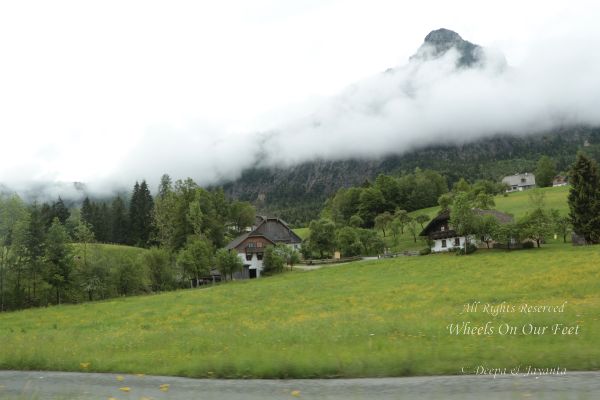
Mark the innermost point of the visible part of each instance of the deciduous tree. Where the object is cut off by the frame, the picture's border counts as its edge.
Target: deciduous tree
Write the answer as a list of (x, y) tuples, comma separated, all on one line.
[(462, 217), (382, 221), (195, 259), (59, 260), (545, 171), (228, 263), (322, 236)]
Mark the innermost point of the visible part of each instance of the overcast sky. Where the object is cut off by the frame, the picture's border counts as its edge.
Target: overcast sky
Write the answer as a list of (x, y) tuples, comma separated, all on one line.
[(115, 91)]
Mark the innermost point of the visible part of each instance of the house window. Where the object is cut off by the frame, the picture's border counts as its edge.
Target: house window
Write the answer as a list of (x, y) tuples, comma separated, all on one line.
[(444, 244), (251, 244), (457, 241), (248, 256), (259, 256), (442, 228), (259, 244)]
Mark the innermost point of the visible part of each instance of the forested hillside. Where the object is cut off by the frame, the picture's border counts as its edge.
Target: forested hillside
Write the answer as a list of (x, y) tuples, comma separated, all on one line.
[(297, 193)]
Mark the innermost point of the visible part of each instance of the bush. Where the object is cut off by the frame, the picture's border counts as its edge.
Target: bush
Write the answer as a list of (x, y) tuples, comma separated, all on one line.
[(471, 248), (528, 245), (273, 261), (425, 251)]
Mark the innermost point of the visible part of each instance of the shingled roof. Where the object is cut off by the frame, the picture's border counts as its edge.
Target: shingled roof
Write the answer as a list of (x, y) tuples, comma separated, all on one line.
[(501, 217), (275, 230)]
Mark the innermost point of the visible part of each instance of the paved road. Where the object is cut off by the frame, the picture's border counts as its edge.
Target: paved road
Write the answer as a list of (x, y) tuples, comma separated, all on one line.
[(63, 386)]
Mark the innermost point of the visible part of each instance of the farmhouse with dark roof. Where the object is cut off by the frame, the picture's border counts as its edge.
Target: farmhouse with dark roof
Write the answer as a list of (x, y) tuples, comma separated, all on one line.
[(251, 245), (444, 238)]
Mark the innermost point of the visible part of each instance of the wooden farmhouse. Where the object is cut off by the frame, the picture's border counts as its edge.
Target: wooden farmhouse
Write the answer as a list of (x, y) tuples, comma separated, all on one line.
[(251, 245), (444, 238)]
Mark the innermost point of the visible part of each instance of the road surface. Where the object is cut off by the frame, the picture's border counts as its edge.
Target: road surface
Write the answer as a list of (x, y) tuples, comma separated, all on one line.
[(91, 386)]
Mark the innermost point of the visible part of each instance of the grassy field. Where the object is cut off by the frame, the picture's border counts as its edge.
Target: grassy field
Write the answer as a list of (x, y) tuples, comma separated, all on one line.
[(302, 232), (111, 251), (379, 318), (518, 203)]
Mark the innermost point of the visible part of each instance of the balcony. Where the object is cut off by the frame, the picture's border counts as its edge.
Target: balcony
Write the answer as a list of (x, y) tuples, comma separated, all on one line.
[(249, 249)]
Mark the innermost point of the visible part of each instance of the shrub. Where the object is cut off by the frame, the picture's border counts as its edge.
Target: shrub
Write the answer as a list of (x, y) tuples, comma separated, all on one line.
[(273, 261), (425, 251), (528, 245), (471, 248)]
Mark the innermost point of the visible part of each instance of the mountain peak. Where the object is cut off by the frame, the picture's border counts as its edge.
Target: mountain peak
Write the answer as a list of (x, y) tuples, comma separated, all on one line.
[(441, 36), (439, 41)]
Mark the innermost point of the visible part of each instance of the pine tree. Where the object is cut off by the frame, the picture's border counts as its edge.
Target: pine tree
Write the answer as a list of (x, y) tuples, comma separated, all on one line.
[(584, 198), (87, 211), (120, 228), (103, 222), (47, 215), (34, 246), (134, 215), (140, 214), (60, 211)]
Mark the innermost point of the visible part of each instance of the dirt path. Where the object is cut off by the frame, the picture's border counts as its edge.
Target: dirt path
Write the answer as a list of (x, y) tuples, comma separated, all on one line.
[(317, 266)]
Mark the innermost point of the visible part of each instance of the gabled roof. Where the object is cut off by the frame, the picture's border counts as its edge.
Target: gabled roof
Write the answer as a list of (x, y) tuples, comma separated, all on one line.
[(440, 218), (236, 242), (275, 230), (444, 216), (501, 217), (526, 179)]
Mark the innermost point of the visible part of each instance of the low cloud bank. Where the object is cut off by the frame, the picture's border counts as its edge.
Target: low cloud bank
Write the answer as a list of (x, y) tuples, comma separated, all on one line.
[(425, 102)]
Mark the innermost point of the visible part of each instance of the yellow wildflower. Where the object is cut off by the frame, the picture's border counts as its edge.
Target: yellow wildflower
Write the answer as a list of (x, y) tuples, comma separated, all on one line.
[(295, 393), (125, 389)]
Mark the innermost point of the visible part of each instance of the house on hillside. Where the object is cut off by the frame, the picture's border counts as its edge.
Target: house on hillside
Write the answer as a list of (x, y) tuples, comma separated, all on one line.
[(519, 182), (559, 181), (444, 238), (251, 245)]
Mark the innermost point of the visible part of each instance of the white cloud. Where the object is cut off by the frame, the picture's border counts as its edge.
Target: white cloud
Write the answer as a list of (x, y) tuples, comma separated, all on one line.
[(117, 91)]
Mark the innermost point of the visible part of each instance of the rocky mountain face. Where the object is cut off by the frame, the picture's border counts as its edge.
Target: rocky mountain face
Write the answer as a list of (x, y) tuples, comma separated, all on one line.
[(438, 42), (298, 193)]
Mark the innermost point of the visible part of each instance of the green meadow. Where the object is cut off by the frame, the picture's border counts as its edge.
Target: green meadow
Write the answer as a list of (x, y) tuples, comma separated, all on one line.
[(518, 203), (365, 319)]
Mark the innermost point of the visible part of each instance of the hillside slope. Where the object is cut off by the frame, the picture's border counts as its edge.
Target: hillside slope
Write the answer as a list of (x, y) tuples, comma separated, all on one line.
[(297, 193), (519, 203), (379, 318)]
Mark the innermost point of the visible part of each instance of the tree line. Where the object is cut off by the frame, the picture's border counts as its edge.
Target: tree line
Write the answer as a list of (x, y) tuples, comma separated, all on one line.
[(350, 215), (48, 252), (351, 218)]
